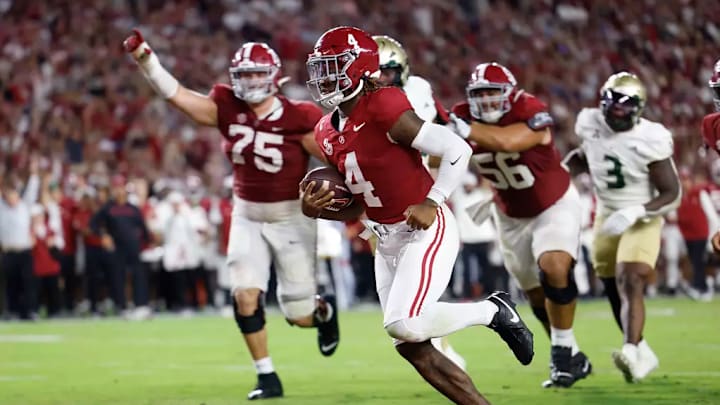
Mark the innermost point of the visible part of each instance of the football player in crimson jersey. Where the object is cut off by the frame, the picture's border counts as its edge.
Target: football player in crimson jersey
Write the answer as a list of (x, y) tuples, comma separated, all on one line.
[(268, 139), (538, 215), (711, 130), (374, 139), (395, 71)]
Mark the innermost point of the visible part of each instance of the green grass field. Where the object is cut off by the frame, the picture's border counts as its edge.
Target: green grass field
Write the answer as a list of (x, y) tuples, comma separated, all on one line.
[(203, 360)]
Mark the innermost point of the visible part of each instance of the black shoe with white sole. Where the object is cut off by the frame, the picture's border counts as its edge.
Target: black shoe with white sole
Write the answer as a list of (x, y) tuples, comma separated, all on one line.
[(328, 331), (268, 386), (511, 328), (563, 372)]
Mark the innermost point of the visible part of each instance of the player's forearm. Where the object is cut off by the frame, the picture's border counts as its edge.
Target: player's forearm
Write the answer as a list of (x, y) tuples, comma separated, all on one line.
[(454, 153), (198, 107), (663, 203), (512, 138), (575, 162), (159, 78), (349, 213), (665, 179)]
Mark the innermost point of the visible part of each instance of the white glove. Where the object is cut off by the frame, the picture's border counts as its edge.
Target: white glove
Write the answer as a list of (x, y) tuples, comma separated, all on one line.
[(458, 126), (623, 219), (480, 211)]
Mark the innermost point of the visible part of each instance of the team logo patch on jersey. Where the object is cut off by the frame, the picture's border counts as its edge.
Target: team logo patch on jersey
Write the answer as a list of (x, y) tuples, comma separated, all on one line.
[(327, 147), (341, 139), (540, 120), (241, 118)]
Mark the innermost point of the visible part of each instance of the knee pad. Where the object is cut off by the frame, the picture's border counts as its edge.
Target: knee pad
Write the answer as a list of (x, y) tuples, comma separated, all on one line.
[(404, 331), (296, 308), (560, 296), (252, 323), (541, 314)]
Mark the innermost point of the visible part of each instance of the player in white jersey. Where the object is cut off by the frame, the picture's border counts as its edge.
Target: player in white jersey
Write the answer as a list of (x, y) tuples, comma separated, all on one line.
[(635, 181), (395, 71)]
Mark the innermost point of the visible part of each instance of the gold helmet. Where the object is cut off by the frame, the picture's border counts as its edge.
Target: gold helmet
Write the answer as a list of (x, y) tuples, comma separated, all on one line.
[(622, 99), (393, 56)]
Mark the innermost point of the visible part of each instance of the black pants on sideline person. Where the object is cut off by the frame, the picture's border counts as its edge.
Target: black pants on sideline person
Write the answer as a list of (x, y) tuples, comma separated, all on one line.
[(48, 288), (697, 253), (20, 282), (99, 271), (128, 262), (71, 281)]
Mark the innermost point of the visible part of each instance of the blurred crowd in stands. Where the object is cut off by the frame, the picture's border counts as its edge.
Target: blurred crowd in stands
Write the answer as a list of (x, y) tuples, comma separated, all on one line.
[(83, 137)]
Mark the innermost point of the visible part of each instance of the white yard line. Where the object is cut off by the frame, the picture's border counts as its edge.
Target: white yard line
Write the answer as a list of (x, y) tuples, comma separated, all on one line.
[(30, 338)]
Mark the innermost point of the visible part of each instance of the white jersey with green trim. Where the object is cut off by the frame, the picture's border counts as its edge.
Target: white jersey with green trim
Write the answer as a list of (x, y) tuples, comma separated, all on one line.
[(618, 161)]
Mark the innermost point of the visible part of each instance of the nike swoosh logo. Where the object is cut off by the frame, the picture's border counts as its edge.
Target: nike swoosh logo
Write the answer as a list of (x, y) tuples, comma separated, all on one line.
[(358, 127), (329, 347), (515, 318), (455, 161)]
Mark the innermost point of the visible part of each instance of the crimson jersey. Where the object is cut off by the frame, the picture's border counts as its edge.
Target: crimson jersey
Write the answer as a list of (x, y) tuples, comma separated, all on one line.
[(384, 175), (525, 183), (711, 130), (691, 217), (267, 154)]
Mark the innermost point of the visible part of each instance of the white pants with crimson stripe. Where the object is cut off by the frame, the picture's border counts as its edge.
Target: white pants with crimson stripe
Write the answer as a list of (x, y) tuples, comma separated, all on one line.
[(412, 270)]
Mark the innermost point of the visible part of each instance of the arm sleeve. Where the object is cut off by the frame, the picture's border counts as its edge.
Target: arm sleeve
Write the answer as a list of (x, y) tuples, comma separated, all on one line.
[(436, 140), (32, 190), (709, 209)]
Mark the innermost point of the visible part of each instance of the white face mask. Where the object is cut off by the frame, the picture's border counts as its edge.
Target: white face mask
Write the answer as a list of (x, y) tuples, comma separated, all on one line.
[(491, 117)]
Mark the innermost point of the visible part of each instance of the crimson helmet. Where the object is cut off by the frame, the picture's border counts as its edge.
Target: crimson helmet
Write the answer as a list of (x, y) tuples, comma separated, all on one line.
[(342, 57), (490, 76), (714, 84), (255, 72)]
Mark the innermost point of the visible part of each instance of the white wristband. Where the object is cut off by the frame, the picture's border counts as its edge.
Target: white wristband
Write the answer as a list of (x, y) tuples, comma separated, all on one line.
[(160, 79)]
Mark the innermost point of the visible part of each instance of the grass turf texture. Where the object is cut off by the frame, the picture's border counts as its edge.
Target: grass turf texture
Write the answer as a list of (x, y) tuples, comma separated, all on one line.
[(203, 361)]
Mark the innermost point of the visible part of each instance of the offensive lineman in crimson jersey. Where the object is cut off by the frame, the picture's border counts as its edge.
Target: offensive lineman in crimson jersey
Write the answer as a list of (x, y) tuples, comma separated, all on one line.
[(268, 138), (374, 139), (538, 215), (711, 130)]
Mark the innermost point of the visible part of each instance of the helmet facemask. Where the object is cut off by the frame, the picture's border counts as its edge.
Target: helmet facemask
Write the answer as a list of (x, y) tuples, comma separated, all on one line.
[(253, 84), (715, 90), (489, 101), (621, 111), (329, 79)]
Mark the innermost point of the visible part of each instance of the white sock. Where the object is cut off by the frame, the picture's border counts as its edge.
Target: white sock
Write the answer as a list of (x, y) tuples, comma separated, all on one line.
[(444, 318), (564, 337), (264, 365)]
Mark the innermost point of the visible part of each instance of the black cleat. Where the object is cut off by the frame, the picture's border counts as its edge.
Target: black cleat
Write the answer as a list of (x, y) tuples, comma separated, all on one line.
[(511, 328), (268, 386), (328, 331), (579, 368), (560, 370)]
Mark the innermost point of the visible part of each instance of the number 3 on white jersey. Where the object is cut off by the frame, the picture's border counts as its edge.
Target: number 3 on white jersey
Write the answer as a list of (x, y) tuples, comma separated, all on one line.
[(355, 181)]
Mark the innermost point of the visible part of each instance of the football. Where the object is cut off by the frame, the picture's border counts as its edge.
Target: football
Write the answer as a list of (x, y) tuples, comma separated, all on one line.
[(336, 182)]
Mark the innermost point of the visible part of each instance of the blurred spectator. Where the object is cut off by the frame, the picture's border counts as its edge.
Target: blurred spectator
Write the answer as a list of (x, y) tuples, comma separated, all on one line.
[(694, 216), (478, 277), (123, 231), (362, 261), (46, 267), (16, 242)]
